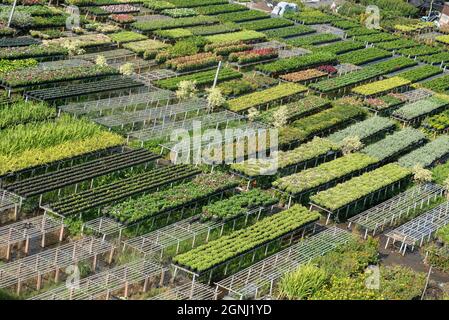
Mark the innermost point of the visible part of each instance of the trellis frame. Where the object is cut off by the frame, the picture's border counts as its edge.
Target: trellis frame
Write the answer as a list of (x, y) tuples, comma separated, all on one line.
[(151, 98), (30, 229), (103, 285), (390, 212), (51, 261), (8, 201), (419, 230)]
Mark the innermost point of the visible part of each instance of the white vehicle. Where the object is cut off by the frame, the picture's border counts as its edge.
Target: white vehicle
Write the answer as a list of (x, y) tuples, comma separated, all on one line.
[(281, 7)]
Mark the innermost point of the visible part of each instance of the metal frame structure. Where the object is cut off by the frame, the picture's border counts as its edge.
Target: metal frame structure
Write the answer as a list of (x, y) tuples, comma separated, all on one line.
[(248, 130), (153, 115), (30, 229), (154, 75), (417, 94), (23, 271), (149, 99), (10, 201), (419, 230), (164, 130), (259, 279), (104, 227), (59, 64), (390, 212), (186, 292), (345, 68), (325, 28), (293, 52), (111, 56), (104, 285)]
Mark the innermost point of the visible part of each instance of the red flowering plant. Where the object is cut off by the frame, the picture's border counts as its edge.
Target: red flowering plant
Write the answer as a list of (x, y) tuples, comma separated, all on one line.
[(254, 55), (328, 69)]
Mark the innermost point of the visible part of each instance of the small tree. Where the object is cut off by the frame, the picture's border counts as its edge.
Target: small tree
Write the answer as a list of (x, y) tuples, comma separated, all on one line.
[(127, 69), (186, 89), (421, 175), (351, 144), (215, 98), (101, 61), (280, 117), (253, 113)]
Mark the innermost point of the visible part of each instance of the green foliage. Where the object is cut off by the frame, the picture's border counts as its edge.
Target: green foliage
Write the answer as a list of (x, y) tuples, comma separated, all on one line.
[(127, 36), (443, 234), (401, 283), (23, 112), (302, 283), (270, 228)]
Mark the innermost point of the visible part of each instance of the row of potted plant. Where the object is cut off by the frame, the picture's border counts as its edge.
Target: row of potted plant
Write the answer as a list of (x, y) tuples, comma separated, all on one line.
[(304, 75), (127, 36), (381, 86), (428, 154), (34, 76), (421, 50), (440, 84), (291, 31), (363, 130), (244, 35), (314, 149), (193, 62), (153, 25), (265, 97), (363, 56), (296, 109), (215, 29), (420, 73), (341, 47), (179, 12), (220, 8), (147, 48), (297, 63), (183, 194), (325, 173), (239, 242), (363, 75), (254, 55), (422, 107), (266, 24), (395, 144), (202, 78), (238, 205), (360, 187), (242, 16), (122, 18), (226, 48)]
